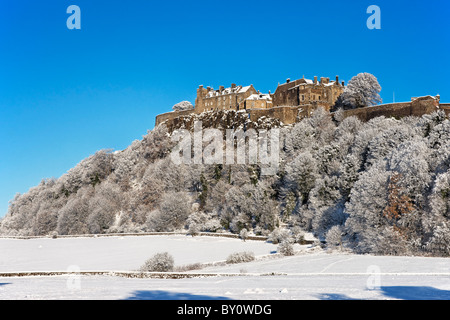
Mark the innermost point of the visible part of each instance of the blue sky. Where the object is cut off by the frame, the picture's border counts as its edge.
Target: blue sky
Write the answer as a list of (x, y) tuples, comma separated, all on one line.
[(65, 94)]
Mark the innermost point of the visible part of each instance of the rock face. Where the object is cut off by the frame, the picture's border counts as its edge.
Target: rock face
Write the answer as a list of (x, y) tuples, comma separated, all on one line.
[(222, 119)]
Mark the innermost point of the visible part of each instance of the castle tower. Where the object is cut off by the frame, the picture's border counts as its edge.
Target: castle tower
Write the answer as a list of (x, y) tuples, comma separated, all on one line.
[(199, 101)]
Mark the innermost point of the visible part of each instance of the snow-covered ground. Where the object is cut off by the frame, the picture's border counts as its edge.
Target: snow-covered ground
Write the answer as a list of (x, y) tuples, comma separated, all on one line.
[(125, 253), (312, 274)]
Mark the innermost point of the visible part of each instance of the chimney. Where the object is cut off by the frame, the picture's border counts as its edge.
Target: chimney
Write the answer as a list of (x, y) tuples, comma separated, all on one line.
[(288, 80), (343, 83), (337, 79), (200, 87), (233, 85), (221, 88), (315, 79)]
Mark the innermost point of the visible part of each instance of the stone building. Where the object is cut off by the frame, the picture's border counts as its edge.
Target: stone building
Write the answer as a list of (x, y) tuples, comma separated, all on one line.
[(230, 98), (257, 101), (306, 92)]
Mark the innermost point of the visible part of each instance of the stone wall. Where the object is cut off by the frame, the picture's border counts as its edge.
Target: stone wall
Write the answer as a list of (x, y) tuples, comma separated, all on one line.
[(287, 115), (290, 115), (418, 107), (170, 116), (445, 107)]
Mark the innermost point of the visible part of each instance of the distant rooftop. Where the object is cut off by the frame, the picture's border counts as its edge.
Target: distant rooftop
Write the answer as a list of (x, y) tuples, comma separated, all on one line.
[(225, 91)]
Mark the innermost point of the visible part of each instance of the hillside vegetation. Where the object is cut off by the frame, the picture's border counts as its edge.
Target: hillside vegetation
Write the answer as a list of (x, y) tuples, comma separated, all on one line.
[(379, 187)]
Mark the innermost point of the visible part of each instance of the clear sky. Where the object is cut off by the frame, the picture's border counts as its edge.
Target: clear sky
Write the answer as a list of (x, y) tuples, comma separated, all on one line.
[(65, 94)]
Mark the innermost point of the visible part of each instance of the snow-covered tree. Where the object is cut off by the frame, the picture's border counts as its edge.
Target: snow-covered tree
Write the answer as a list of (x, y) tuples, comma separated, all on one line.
[(361, 91), (334, 236), (172, 213), (249, 206), (301, 175), (286, 248), (183, 105), (72, 218), (104, 207), (368, 199), (326, 205), (437, 224), (279, 235)]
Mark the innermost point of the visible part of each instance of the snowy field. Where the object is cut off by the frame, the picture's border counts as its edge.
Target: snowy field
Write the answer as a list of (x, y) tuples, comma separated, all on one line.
[(127, 253), (311, 274)]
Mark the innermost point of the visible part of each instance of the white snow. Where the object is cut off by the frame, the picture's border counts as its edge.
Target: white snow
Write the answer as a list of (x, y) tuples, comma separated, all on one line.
[(244, 89), (259, 96), (125, 253), (311, 274)]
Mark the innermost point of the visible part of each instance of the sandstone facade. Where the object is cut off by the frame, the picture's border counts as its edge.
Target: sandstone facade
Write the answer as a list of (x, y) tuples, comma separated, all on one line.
[(209, 99), (256, 101), (306, 92)]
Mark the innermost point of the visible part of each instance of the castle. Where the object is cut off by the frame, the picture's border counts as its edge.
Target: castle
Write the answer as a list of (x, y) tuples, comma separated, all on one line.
[(292, 101), (300, 92)]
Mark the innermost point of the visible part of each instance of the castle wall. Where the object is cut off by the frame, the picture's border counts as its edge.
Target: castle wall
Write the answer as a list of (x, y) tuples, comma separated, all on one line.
[(287, 115), (418, 107), (248, 104), (292, 114), (171, 116), (445, 107)]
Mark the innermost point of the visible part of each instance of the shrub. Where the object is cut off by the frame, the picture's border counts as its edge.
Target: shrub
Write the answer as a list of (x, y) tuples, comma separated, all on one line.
[(240, 257), (194, 229), (189, 267), (286, 249), (160, 262), (243, 234), (278, 235), (298, 235), (334, 236)]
